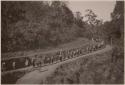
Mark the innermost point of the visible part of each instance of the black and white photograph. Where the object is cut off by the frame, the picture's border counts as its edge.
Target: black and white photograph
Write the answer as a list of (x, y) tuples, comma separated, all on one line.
[(62, 42)]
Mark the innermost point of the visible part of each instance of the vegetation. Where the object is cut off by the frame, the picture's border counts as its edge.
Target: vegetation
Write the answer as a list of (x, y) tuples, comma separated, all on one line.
[(11, 78), (36, 25), (94, 69), (33, 25), (115, 31), (107, 69)]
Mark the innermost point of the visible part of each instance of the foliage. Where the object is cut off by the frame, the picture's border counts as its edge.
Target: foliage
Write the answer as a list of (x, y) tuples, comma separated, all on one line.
[(93, 26), (11, 78), (95, 69), (115, 29), (116, 25), (33, 25)]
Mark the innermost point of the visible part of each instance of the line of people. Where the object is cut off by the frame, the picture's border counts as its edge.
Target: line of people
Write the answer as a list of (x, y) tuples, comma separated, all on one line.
[(41, 60), (15, 63)]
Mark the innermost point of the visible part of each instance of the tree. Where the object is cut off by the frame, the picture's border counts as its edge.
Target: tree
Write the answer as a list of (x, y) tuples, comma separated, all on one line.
[(114, 29), (94, 25), (118, 18), (90, 17), (79, 19), (116, 25)]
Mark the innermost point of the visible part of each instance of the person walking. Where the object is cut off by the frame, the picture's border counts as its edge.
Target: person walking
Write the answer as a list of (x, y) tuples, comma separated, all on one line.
[(13, 64), (26, 62), (3, 66), (33, 62)]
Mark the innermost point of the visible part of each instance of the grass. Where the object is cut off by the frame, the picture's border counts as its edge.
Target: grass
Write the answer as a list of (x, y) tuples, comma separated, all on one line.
[(11, 78), (95, 69)]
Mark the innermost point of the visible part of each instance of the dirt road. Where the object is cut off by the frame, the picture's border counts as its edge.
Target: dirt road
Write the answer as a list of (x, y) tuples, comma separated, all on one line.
[(35, 77)]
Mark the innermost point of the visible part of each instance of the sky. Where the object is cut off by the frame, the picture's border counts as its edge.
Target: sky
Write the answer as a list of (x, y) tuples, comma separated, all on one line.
[(101, 8)]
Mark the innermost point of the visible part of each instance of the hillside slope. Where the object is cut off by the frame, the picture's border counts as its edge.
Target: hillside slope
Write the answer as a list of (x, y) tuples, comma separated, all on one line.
[(93, 69)]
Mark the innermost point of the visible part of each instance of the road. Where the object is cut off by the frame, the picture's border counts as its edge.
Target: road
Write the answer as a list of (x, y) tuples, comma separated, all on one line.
[(36, 76)]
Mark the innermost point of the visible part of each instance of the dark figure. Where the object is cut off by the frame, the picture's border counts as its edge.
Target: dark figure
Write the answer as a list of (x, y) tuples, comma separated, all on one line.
[(60, 57), (33, 62), (64, 54), (76, 53), (115, 55), (52, 59), (56, 58), (93, 48), (68, 54), (20, 62), (47, 60), (79, 51), (9, 65), (72, 53), (3, 66), (38, 63), (96, 47)]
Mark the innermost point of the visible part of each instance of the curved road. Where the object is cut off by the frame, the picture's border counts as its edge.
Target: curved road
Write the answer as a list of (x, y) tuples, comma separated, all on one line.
[(35, 77)]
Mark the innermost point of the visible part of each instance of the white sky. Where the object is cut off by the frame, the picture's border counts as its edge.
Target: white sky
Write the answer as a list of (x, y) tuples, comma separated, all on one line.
[(101, 8)]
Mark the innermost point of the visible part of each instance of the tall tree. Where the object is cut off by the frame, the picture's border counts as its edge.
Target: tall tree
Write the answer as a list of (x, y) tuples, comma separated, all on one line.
[(118, 19), (94, 24)]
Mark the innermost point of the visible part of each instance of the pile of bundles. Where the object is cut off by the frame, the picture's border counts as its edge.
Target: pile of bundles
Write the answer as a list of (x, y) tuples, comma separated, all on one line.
[(49, 58)]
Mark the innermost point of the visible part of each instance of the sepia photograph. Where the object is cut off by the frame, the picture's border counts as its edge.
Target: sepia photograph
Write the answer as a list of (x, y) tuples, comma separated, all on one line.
[(62, 42)]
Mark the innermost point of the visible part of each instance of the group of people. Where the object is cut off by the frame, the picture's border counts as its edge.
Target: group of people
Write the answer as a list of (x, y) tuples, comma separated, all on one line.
[(50, 58), (15, 63)]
